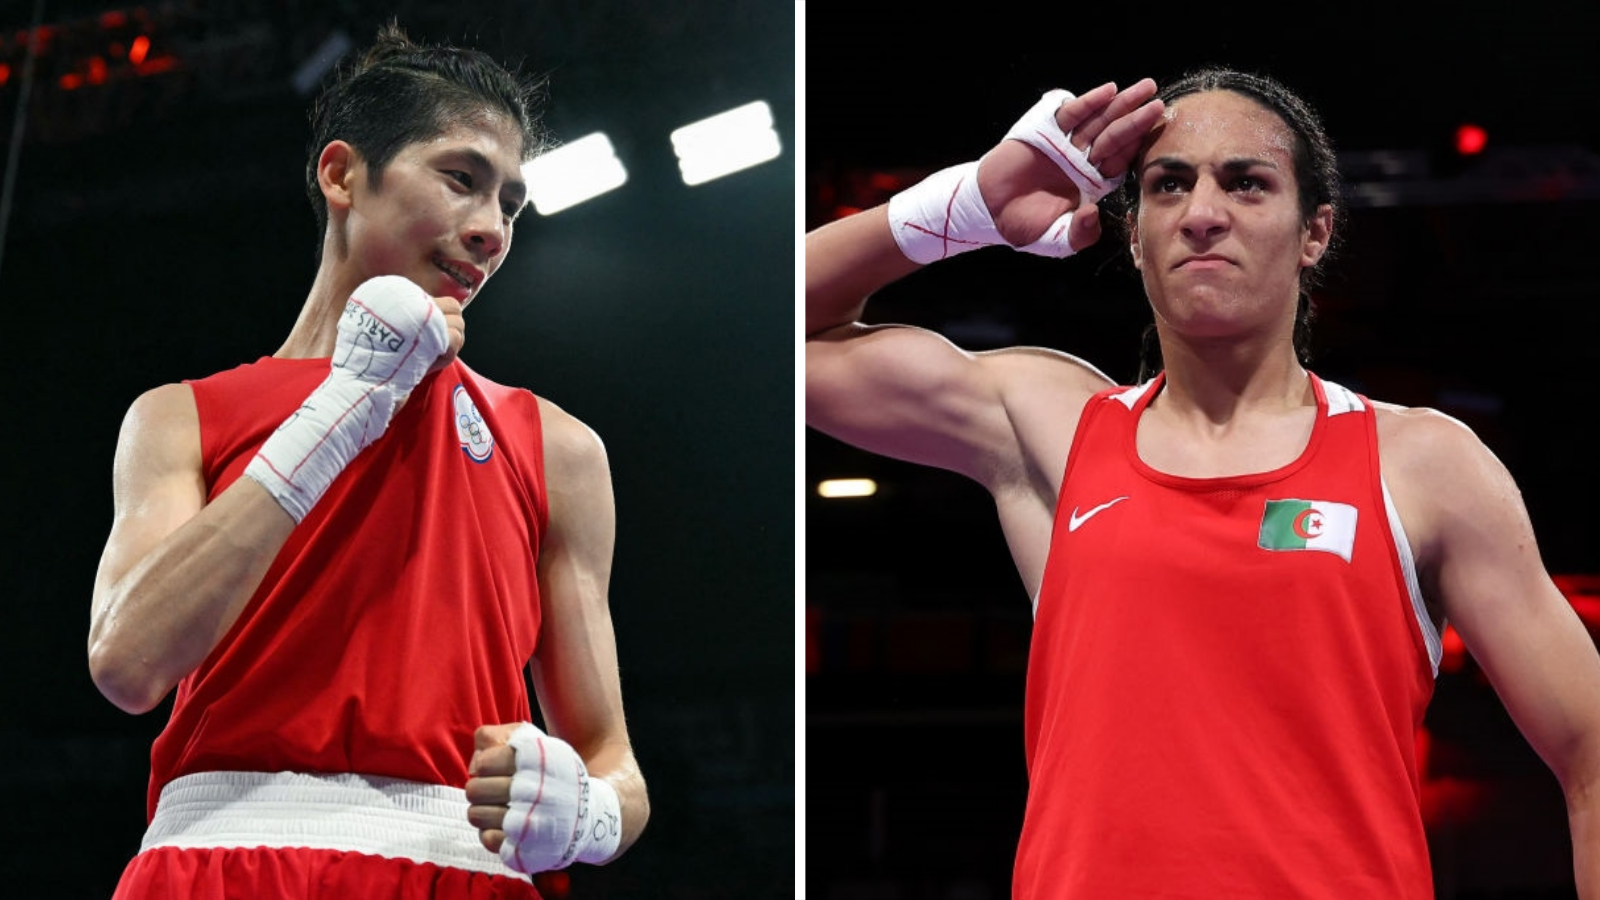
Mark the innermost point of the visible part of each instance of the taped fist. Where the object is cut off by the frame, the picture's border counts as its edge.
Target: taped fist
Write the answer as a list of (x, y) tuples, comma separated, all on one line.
[(1061, 157), (389, 335), (533, 802)]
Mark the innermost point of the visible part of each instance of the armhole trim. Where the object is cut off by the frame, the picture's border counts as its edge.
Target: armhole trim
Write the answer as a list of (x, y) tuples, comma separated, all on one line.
[(1408, 567)]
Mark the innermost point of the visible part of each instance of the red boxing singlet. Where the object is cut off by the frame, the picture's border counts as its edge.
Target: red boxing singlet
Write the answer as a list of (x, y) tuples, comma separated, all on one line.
[(401, 612), (1226, 676)]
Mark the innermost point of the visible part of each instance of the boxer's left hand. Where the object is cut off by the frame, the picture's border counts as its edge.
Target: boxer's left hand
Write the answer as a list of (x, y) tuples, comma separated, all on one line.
[(533, 801), (489, 783)]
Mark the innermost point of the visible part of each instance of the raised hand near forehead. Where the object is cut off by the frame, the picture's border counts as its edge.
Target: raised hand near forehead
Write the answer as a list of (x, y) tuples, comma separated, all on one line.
[(1042, 182)]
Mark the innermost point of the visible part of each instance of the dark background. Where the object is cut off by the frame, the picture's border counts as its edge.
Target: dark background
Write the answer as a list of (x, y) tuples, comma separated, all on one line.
[(158, 230), (1465, 285)]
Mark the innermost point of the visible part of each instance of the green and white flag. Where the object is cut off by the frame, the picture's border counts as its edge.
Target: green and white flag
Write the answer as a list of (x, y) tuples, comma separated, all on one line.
[(1309, 525)]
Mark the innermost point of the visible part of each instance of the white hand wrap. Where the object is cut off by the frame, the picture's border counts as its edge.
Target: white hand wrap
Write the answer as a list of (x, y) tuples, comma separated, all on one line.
[(1039, 129), (944, 214), (558, 813), (390, 333)]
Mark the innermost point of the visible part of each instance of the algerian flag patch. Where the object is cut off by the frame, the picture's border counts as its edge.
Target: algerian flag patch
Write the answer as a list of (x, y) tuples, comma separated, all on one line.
[(1309, 525)]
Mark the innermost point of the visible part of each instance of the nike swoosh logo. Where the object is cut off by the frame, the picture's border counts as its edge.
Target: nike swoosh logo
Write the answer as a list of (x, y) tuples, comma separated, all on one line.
[(1076, 520)]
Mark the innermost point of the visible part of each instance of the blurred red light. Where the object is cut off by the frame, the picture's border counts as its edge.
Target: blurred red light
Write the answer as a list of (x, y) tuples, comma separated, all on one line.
[(1454, 657), (884, 181), (1470, 140), (156, 65), (40, 37), (1583, 592), (141, 46)]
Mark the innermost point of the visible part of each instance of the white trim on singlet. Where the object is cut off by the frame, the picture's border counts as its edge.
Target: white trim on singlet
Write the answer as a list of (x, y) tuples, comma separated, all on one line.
[(1408, 566), (387, 817), (1131, 396), (1341, 399)]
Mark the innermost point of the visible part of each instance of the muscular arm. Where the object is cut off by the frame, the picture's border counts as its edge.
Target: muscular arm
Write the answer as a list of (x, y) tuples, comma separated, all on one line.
[(575, 670), (175, 572), (899, 391), (1479, 557), (906, 392)]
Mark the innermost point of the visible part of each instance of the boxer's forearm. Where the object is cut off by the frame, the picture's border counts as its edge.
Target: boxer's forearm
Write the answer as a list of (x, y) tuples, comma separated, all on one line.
[(155, 622)]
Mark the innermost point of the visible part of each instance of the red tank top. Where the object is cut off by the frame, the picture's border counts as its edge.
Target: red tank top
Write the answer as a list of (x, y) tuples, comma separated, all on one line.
[(400, 614), (1226, 676)]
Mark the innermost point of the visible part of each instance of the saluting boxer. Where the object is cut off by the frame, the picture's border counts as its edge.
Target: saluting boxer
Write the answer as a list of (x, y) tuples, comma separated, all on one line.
[(1239, 571)]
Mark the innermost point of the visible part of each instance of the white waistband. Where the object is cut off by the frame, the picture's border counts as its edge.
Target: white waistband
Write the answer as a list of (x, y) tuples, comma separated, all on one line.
[(359, 813)]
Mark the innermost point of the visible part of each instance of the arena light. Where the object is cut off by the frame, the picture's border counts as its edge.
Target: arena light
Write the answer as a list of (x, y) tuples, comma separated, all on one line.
[(573, 173), (836, 488), (726, 142), (1471, 139)]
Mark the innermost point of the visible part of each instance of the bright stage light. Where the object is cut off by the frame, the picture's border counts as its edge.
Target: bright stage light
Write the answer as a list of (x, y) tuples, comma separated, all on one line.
[(573, 173), (835, 488), (726, 142)]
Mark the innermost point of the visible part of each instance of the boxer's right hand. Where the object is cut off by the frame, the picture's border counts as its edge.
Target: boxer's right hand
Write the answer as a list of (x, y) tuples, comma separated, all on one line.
[(456, 327), (1026, 185), (389, 336)]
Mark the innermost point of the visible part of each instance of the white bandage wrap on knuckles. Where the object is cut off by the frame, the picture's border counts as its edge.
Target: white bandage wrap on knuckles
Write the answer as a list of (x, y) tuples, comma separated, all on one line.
[(558, 813), (944, 214), (1039, 129), (390, 333)]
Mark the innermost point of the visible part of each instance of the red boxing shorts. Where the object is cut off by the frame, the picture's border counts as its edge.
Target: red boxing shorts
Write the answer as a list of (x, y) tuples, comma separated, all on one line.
[(294, 873)]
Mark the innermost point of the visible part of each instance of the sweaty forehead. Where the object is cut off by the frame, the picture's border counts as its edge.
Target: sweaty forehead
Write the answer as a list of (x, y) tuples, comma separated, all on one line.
[(1221, 123)]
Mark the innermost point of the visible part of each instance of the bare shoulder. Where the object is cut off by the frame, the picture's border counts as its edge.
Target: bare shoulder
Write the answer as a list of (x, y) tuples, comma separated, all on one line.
[(1443, 478), (576, 465), (167, 404), (160, 431), (157, 479), (1044, 393), (1423, 442)]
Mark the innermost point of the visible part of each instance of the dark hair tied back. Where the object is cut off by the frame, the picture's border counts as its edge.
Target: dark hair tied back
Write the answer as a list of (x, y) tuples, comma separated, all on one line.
[(1316, 175)]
